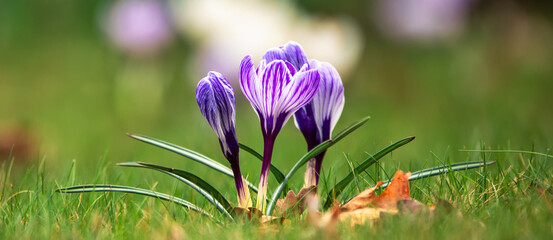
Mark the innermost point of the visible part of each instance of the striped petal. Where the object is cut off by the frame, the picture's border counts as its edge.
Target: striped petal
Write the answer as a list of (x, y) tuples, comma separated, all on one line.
[(328, 103), (299, 92), (248, 81), (215, 98), (292, 52)]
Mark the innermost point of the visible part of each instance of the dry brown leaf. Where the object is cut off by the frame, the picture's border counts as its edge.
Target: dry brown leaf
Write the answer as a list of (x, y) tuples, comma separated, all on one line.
[(367, 207), (364, 215), (294, 204), (397, 190), (364, 208), (362, 199)]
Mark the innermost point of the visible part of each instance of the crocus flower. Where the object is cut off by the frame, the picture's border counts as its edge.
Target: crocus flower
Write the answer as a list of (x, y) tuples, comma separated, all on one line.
[(317, 119), (276, 90), (216, 100)]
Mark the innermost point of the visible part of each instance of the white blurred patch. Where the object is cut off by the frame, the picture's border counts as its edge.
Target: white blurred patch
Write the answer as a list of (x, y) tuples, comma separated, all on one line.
[(229, 30)]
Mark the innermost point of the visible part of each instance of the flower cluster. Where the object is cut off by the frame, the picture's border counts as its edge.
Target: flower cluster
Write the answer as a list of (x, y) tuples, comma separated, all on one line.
[(283, 84)]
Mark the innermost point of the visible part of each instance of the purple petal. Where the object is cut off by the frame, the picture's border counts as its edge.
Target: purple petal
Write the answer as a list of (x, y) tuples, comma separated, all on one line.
[(305, 122), (328, 103), (275, 77), (324, 110), (248, 82), (215, 98), (299, 92), (292, 52)]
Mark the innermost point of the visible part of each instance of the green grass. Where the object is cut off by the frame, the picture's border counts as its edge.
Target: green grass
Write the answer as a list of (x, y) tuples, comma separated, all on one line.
[(511, 199), (77, 96)]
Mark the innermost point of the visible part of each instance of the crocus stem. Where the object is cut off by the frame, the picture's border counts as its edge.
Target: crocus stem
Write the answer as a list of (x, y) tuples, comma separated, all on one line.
[(318, 165), (269, 143), (244, 200), (313, 170)]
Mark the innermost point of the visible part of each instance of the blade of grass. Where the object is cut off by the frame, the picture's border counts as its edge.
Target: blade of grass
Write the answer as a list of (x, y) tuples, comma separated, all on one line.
[(311, 154), (507, 151), (140, 191), (198, 184), (340, 186), (430, 172), (189, 154)]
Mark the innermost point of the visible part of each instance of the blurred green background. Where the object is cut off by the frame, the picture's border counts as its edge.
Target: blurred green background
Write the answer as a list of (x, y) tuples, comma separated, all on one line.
[(75, 76)]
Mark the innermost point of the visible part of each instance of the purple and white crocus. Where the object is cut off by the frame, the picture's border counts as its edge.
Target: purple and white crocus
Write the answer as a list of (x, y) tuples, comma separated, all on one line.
[(317, 119), (215, 98), (276, 89)]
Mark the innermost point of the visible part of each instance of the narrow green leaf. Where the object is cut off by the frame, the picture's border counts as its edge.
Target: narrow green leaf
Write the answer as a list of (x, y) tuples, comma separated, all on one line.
[(430, 172), (311, 154), (342, 184), (198, 184), (140, 191), (274, 170), (189, 154), (508, 151)]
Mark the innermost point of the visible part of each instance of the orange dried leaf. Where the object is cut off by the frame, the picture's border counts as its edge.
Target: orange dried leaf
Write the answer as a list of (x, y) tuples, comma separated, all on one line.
[(294, 204), (397, 190), (362, 216), (362, 200)]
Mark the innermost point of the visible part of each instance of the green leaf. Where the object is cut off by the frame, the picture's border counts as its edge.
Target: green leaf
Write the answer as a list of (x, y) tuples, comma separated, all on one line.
[(430, 172), (189, 154), (277, 173), (508, 151), (311, 154), (341, 185), (140, 191), (198, 184)]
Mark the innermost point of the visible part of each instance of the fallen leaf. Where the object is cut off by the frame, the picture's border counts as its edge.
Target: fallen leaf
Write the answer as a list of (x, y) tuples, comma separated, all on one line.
[(362, 199), (363, 215), (294, 204), (397, 190), (366, 207)]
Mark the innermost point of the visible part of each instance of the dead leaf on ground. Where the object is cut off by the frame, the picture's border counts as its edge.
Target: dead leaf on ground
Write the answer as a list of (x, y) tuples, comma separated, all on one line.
[(294, 204), (366, 207), (362, 199), (397, 190)]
